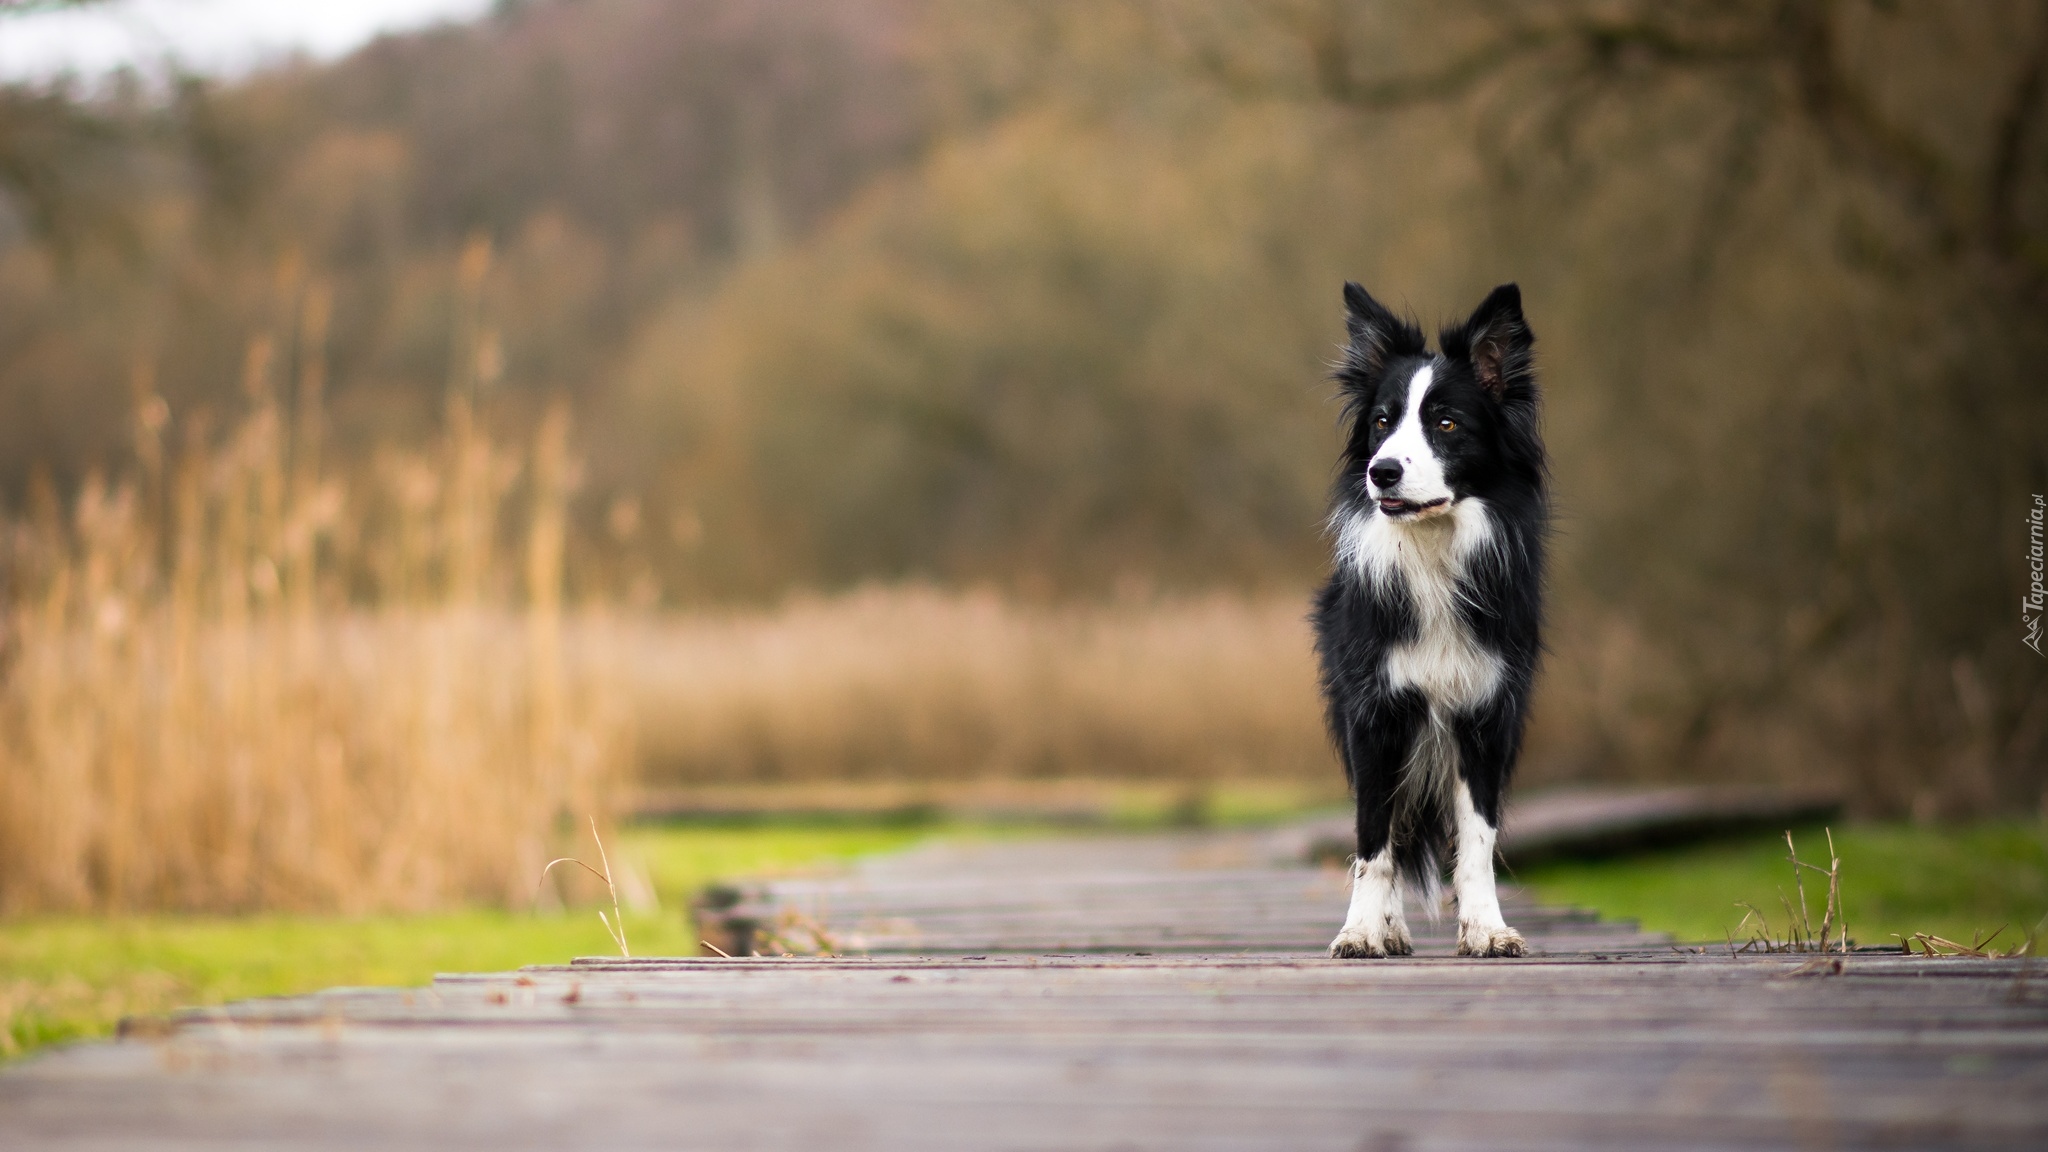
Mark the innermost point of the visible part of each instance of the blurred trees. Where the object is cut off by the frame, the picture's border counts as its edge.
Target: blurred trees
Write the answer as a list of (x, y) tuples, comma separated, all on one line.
[(1796, 252), (615, 152), (1039, 293), (1834, 406), (51, 147)]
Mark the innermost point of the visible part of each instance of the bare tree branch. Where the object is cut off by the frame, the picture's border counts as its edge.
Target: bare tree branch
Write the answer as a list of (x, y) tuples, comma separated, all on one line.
[(1848, 118), (2017, 120), (1797, 40), (1601, 41)]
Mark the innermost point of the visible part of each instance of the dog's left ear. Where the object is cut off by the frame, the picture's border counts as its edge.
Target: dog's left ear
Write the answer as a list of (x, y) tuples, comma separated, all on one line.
[(1497, 341)]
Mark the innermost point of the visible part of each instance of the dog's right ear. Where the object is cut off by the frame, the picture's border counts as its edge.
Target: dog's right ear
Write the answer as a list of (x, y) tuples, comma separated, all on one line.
[(1377, 335)]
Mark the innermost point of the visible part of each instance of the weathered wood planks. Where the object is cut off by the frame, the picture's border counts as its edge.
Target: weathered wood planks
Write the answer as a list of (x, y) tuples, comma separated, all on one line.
[(1198, 892), (1586, 823), (1199, 1046)]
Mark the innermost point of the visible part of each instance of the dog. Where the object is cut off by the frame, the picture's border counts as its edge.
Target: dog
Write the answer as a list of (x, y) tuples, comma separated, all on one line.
[(1428, 630)]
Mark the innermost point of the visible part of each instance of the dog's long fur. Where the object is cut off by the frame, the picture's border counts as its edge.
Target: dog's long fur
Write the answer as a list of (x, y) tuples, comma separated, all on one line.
[(1427, 631)]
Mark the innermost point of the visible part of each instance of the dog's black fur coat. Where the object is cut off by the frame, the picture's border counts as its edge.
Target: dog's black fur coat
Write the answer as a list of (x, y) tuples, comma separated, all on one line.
[(1484, 380)]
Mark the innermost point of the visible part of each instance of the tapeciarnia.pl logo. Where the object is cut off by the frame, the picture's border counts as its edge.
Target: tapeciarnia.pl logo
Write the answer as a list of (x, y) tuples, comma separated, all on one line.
[(2037, 596)]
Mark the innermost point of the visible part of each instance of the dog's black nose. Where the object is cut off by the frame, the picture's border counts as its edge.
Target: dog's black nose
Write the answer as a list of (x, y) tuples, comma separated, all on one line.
[(1385, 473)]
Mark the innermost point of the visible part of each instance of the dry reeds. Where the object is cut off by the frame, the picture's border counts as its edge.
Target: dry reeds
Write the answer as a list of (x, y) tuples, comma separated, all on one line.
[(1979, 948), (203, 708), (1801, 934), (914, 684), (239, 678), (615, 924)]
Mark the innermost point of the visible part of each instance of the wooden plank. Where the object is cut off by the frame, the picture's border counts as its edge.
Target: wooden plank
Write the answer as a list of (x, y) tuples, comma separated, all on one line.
[(1588, 823), (1633, 1045), (1047, 1052), (1211, 892)]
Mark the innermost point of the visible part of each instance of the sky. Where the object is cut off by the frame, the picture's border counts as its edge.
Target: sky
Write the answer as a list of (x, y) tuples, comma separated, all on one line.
[(218, 37)]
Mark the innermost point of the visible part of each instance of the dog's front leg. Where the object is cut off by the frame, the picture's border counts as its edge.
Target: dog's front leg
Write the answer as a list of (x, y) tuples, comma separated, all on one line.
[(1485, 756), (1373, 751), (1375, 926), (1481, 930)]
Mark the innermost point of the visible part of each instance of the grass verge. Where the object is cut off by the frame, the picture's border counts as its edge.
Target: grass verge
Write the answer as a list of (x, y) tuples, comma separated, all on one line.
[(73, 977), (1958, 883)]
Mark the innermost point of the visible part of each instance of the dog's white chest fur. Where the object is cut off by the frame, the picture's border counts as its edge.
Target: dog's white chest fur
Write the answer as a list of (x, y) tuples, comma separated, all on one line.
[(1425, 558)]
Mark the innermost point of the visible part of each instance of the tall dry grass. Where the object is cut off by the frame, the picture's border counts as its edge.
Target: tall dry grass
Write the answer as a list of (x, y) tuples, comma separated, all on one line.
[(235, 681), (917, 684), (912, 695)]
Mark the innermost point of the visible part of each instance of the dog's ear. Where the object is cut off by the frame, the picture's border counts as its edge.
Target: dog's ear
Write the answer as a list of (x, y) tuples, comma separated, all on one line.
[(1377, 335), (1497, 342)]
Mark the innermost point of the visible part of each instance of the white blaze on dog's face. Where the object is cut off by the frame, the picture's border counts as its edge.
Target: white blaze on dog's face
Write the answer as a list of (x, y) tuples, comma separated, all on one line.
[(1406, 475)]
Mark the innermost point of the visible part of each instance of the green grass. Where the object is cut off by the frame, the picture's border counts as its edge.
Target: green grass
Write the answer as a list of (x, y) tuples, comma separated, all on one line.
[(1953, 882), (72, 977), (64, 978)]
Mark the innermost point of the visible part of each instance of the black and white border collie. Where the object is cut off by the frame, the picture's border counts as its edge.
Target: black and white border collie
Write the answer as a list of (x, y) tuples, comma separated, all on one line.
[(1427, 630)]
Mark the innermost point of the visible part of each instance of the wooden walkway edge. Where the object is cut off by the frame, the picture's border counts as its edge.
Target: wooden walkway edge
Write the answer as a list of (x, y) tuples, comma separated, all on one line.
[(1163, 992)]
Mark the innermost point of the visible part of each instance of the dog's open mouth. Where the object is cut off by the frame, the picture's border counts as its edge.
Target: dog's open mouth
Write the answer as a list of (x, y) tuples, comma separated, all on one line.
[(1393, 507)]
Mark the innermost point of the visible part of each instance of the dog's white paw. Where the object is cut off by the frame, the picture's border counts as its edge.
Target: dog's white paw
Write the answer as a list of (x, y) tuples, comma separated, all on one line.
[(1367, 944), (1490, 940)]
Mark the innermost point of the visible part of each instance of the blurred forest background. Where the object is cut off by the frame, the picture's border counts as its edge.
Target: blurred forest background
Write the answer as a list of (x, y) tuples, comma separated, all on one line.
[(406, 451)]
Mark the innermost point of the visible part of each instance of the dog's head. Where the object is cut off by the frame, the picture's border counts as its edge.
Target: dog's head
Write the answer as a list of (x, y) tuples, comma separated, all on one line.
[(1431, 430)]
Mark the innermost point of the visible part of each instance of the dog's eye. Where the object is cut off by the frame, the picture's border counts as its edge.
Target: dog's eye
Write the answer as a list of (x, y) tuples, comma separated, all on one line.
[(1380, 423), (1447, 425)]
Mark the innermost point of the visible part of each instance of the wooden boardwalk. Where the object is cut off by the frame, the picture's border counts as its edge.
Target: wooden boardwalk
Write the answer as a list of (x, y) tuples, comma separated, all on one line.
[(1102, 993)]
